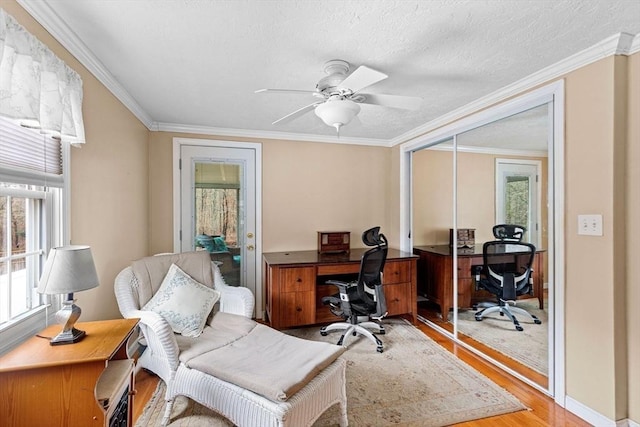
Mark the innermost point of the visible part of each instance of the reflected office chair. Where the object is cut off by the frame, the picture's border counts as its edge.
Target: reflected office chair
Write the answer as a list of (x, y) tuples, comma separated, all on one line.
[(506, 273), (360, 301)]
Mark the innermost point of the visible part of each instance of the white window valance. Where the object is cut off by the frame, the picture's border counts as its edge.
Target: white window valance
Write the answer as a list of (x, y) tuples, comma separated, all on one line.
[(37, 89)]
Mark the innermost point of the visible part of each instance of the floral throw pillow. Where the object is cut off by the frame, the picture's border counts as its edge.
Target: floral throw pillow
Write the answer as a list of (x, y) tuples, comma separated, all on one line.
[(183, 302)]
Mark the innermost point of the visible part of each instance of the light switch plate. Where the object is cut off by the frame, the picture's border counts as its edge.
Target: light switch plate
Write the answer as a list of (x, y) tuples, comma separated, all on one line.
[(590, 225)]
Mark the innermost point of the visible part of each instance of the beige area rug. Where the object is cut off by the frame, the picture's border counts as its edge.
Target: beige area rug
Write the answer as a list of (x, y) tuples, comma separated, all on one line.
[(415, 382), (529, 347)]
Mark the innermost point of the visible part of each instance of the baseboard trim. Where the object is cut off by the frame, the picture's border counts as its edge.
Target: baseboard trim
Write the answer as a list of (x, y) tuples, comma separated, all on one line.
[(593, 417), (631, 423)]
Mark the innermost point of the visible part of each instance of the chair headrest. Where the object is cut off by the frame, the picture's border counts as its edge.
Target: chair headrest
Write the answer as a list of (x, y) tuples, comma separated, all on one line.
[(373, 237), (509, 232)]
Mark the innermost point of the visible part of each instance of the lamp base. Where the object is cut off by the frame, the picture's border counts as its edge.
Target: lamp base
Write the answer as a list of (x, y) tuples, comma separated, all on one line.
[(68, 314), (68, 337)]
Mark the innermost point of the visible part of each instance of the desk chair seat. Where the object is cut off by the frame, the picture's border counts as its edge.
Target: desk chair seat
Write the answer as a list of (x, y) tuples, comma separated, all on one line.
[(361, 301), (507, 274)]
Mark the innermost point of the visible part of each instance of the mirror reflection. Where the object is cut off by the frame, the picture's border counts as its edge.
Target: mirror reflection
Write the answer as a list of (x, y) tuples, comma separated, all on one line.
[(501, 176)]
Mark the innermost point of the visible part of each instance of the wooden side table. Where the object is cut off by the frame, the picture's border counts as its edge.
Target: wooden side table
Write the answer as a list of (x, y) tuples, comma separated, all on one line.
[(89, 383)]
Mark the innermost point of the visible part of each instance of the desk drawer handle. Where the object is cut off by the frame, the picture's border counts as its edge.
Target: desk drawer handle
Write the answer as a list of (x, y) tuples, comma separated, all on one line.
[(298, 309), (298, 280)]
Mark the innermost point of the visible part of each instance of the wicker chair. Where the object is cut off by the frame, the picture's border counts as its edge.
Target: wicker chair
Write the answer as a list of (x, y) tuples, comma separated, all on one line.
[(241, 406)]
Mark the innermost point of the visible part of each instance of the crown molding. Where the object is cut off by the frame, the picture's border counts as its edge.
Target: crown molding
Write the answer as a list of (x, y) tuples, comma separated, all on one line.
[(44, 14), (635, 45), (263, 134), (491, 150), (618, 44)]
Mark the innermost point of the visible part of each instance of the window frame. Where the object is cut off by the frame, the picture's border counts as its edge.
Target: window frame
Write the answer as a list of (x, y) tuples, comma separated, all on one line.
[(54, 232)]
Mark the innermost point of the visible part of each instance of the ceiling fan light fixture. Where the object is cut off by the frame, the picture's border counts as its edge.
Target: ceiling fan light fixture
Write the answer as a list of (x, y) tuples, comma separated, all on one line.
[(337, 113)]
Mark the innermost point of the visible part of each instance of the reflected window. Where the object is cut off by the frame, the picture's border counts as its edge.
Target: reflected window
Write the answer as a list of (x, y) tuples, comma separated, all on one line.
[(516, 200)]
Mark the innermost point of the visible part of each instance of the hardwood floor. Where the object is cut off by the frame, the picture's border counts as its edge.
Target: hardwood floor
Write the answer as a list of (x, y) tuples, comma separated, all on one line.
[(146, 384), (543, 411)]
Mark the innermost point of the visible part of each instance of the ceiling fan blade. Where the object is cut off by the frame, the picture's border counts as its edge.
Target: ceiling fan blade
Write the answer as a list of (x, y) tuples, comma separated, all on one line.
[(310, 92), (299, 112), (395, 101), (362, 77)]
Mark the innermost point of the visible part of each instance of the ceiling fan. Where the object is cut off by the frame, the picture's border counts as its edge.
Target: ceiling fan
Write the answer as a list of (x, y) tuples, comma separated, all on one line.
[(339, 95)]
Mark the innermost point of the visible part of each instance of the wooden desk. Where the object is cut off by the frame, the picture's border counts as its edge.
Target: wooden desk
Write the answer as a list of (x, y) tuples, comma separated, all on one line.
[(435, 276), (295, 284), (79, 384)]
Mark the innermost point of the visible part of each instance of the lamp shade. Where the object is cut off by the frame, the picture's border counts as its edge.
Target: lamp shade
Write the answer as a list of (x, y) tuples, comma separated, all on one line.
[(337, 112), (68, 269)]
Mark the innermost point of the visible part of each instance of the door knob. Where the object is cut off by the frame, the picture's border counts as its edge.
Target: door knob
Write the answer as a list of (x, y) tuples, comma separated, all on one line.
[(249, 235), (250, 247)]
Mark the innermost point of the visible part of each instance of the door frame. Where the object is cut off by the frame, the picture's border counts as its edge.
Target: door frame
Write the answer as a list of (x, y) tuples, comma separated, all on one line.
[(177, 208), (538, 196), (553, 94)]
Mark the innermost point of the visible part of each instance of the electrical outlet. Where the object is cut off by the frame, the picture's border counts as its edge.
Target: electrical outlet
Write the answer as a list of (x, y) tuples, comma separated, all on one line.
[(590, 225)]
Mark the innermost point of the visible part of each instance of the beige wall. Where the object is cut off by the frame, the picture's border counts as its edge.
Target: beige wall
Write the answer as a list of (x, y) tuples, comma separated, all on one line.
[(591, 281), (310, 187), (433, 195), (108, 181), (632, 229), (306, 187)]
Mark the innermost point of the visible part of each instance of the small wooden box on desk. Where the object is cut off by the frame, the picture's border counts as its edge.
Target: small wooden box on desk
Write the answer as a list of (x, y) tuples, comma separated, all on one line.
[(334, 242), (89, 383), (296, 282)]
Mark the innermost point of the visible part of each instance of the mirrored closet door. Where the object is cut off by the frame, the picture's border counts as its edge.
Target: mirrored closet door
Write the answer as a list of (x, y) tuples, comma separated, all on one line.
[(463, 185)]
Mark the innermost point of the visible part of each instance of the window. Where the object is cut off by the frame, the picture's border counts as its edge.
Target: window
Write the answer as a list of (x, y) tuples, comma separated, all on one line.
[(31, 222), (217, 213), (518, 192)]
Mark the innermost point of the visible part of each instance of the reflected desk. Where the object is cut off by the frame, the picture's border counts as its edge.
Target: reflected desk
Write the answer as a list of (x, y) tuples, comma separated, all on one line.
[(295, 283), (435, 276)]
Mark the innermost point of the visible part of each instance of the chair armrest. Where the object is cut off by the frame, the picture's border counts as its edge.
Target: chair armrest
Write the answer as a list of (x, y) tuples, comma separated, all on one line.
[(342, 286), (236, 300), (159, 336), (476, 271)]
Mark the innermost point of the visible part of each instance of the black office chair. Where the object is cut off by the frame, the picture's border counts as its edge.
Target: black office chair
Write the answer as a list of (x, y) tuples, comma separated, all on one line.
[(506, 273), (360, 301)]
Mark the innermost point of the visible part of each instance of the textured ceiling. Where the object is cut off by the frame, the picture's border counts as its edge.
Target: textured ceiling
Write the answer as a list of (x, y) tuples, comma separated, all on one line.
[(196, 64)]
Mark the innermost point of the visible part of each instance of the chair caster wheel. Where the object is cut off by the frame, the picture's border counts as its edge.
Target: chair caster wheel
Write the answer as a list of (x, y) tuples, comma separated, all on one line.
[(382, 332), (323, 333), (478, 319), (537, 321), (379, 350), (519, 328)]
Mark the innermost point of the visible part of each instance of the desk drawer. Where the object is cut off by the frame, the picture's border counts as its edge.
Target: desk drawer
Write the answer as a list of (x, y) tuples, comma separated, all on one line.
[(397, 272), (336, 269), (398, 297), (297, 279), (464, 267)]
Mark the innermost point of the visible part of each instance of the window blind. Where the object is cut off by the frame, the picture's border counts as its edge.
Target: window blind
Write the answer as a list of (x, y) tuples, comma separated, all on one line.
[(28, 150)]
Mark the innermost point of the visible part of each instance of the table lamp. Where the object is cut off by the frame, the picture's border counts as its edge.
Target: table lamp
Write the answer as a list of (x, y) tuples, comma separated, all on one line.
[(68, 269)]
